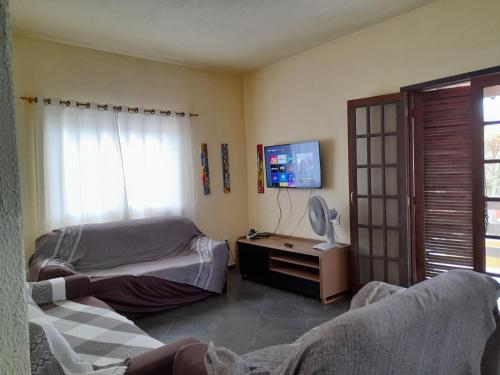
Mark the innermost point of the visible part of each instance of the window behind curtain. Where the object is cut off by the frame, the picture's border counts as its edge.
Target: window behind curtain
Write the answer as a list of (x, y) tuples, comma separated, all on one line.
[(98, 165)]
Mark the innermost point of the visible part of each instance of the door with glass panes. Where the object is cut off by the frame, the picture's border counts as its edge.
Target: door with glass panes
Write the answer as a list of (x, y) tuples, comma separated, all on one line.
[(378, 190), (486, 122)]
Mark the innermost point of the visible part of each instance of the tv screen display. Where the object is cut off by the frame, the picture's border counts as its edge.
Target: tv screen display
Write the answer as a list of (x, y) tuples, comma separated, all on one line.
[(295, 165)]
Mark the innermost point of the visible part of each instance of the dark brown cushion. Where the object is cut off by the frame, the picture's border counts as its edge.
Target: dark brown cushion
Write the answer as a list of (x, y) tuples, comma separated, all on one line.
[(159, 361), (51, 272), (190, 360), (77, 286)]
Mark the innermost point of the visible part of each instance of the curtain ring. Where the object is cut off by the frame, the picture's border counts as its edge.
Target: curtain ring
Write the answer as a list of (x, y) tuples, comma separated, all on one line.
[(136, 110), (119, 109), (183, 114), (153, 111), (67, 103), (36, 100), (168, 113), (49, 101), (87, 105), (105, 107)]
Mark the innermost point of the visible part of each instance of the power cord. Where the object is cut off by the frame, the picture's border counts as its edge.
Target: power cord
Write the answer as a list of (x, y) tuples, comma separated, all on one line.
[(304, 214), (279, 207), (290, 215)]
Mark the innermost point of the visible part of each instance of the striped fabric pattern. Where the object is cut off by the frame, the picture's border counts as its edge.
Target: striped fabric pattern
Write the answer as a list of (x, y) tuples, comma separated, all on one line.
[(99, 336), (48, 291)]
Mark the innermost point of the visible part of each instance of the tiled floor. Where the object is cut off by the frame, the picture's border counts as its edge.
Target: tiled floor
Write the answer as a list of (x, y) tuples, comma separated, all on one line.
[(249, 316)]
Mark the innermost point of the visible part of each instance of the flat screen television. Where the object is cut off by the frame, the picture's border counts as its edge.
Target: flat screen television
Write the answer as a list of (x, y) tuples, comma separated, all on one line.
[(295, 165)]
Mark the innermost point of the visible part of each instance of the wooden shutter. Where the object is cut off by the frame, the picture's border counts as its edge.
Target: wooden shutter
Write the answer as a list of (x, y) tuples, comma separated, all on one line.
[(443, 181)]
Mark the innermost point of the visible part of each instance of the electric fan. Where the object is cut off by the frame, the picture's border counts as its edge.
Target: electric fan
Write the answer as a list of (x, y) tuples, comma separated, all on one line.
[(320, 217)]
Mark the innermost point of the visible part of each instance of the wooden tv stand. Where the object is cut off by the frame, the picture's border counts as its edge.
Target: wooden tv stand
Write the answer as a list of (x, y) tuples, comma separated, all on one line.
[(322, 274)]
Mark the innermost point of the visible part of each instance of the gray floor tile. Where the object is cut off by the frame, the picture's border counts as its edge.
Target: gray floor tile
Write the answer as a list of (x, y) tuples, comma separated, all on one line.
[(266, 341), (249, 316), (282, 327)]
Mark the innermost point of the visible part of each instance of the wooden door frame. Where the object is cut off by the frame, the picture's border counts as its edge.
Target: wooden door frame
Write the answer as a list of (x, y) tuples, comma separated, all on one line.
[(405, 273), (477, 85), (413, 117)]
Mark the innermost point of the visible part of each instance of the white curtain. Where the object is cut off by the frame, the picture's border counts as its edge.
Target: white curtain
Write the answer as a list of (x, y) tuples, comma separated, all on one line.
[(96, 165)]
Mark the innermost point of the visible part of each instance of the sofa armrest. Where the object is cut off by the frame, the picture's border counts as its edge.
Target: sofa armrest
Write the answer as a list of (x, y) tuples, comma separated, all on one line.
[(59, 289), (53, 271), (372, 292), (190, 360), (158, 361), (77, 286)]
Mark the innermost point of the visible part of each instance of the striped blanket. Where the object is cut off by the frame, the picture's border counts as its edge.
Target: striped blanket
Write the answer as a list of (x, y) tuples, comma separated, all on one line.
[(99, 336), (67, 337)]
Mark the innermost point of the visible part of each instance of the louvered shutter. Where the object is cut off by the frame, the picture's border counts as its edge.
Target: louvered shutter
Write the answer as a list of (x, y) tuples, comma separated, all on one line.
[(443, 181)]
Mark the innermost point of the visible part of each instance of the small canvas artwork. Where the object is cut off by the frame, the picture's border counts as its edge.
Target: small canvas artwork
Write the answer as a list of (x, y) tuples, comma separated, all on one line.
[(205, 173), (260, 169), (225, 167)]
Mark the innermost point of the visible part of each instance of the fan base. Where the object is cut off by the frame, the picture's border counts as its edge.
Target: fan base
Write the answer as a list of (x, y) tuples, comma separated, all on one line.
[(326, 246)]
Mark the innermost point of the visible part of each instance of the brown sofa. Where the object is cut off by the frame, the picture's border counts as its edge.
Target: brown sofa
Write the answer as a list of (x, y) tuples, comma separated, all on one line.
[(155, 362)]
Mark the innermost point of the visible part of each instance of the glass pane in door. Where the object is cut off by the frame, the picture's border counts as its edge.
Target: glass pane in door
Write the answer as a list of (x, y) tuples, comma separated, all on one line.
[(493, 218), (378, 270), (492, 141), (392, 243), (492, 180), (361, 123), (364, 241), (362, 181), (378, 242), (375, 150), (492, 247), (361, 151), (375, 119), (491, 103), (376, 176), (393, 272), (377, 211), (391, 181), (390, 118), (363, 211), (391, 149), (392, 211)]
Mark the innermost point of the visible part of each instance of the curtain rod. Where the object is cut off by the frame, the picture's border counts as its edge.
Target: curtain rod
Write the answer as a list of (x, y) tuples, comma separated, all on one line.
[(117, 108)]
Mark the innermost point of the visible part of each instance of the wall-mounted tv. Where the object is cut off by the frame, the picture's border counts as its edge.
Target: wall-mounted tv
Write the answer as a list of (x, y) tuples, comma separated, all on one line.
[(295, 165)]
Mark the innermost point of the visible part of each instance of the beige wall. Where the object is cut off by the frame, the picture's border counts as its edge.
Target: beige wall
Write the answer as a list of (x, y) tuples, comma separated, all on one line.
[(300, 98), (51, 69), (304, 97)]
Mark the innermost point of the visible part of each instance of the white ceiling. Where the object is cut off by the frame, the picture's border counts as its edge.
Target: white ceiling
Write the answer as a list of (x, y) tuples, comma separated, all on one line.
[(236, 35)]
